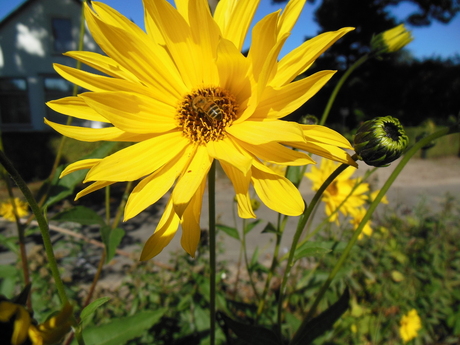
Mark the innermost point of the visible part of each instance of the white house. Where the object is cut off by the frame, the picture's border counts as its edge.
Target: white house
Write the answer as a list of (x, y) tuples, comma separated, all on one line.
[(32, 38)]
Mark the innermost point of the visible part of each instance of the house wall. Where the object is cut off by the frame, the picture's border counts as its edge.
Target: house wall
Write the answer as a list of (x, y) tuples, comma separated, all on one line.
[(26, 50)]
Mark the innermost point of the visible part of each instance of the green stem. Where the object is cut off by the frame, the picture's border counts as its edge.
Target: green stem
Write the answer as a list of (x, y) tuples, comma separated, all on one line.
[(246, 262), (43, 225), (370, 211), (212, 249), (300, 226), (334, 93)]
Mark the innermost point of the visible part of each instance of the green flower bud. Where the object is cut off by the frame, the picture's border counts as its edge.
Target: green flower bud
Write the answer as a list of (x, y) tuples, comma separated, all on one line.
[(380, 141), (391, 40), (308, 120)]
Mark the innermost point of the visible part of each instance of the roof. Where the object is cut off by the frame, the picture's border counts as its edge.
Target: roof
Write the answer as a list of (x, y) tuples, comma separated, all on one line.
[(20, 8)]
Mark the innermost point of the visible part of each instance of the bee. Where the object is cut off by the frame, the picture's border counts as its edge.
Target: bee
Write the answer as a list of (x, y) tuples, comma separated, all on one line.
[(208, 107)]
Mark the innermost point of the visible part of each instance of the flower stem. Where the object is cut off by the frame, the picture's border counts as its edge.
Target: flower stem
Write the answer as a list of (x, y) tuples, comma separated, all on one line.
[(43, 225), (370, 211), (212, 249), (334, 93), (300, 226)]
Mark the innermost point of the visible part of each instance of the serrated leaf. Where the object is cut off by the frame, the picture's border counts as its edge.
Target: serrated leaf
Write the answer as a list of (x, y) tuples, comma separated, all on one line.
[(232, 232), (251, 225), (323, 322), (111, 238), (81, 215), (64, 187), (119, 331), (309, 249), (90, 308)]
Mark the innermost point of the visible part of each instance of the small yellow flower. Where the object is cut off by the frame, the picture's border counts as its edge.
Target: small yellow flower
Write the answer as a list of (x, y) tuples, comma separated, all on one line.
[(7, 209), (391, 40), (341, 189), (358, 216), (410, 325), (20, 328), (185, 95)]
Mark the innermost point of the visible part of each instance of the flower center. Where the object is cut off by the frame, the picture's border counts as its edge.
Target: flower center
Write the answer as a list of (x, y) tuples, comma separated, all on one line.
[(333, 188), (204, 114)]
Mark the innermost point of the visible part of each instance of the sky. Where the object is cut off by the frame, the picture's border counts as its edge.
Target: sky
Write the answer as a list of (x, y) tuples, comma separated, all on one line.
[(436, 40)]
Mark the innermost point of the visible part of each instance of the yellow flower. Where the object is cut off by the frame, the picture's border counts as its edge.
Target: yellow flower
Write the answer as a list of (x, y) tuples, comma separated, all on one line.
[(20, 328), (341, 189), (185, 95), (358, 216), (7, 210), (410, 325), (391, 40)]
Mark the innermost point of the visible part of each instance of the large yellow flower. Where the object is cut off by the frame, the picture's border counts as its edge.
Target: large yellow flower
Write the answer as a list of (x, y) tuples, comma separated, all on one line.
[(185, 95), (345, 193)]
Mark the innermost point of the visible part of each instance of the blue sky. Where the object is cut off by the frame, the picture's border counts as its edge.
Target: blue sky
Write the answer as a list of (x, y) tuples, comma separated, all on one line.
[(437, 40)]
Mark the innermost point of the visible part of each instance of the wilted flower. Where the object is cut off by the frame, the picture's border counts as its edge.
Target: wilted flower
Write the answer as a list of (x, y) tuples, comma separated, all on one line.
[(380, 141), (391, 40), (185, 95), (7, 209), (410, 325)]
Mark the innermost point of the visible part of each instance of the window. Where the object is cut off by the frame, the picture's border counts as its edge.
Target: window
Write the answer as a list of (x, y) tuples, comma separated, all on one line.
[(14, 101), (56, 87), (62, 34)]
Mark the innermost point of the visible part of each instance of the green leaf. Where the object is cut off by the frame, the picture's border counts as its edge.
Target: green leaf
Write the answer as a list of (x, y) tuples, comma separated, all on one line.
[(81, 215), (251, 225), (323, 322), (270, 228), (112, 239), (295, 174), (232, 232), (119, 331), (90, 308), (254, 335), (64, 187), (309, 249)]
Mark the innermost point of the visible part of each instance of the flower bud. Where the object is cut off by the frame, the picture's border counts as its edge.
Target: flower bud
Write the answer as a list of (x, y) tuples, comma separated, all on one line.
[(380, 141), (308, 120), (391, 40)]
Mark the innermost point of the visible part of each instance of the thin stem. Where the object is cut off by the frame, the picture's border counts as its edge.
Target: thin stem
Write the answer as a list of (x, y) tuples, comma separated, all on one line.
[(334, 93), (212, 249), (43, 225), (246, 261), (300, 226), (370, 211)]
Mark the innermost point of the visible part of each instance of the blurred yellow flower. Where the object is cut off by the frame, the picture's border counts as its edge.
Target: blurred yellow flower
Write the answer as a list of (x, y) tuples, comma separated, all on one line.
[(343, 189), (391, 40), (7, 209), (357, 217), (185, 95), (20, 328), (410, 325)]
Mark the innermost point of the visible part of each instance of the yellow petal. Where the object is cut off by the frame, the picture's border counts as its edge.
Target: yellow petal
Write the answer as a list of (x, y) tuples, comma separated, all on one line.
[(153, 187), (191, 229), (289, 16), (278, 154), (151, 27), (139, 160), (256, 133), (234, 18), (277, 103), (164, 233), (103, 63), (75, 107), (132, 112), (132, 48), (226, 150), (96, 134), (323, 134), (276, 191), (327, 151), (178, 39), (299, 59), (241, 185), (92, 188), (80, 165), (191, 179)]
